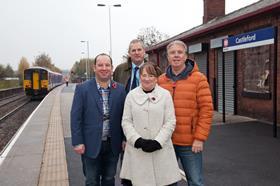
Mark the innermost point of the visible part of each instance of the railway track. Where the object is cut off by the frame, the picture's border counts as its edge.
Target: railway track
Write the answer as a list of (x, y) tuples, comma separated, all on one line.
[(13, 111), (9, 105), (8, 97), (10, 92), (12, 115)]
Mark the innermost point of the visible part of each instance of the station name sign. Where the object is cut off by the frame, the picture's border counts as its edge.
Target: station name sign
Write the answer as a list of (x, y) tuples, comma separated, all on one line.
[(256, 38)]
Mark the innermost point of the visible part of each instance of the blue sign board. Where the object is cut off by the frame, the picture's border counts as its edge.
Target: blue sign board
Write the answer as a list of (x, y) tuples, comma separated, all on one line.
[(256, 38)]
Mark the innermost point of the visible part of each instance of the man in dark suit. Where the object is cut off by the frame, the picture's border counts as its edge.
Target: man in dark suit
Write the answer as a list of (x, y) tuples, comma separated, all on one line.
[(96, 116), (127, 73)]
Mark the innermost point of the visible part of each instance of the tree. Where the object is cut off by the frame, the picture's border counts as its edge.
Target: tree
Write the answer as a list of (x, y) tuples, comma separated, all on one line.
[(9, 72), (23, 64), (43, 60), (151, 36), (79, 68), (2, 71)]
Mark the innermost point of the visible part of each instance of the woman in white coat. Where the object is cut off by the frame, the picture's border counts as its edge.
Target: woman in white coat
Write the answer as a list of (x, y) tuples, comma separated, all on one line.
[(148, 123)]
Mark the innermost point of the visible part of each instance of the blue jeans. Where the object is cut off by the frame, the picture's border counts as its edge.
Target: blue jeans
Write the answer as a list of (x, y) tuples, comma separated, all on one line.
[(101, 171), (192, 164)]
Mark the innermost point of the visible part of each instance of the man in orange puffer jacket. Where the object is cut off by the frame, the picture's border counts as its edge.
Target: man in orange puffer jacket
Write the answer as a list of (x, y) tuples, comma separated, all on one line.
[(193, 108)]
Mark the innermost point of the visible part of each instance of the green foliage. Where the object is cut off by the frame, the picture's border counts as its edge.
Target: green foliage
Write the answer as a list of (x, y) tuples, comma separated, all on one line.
[(9, 71), (79, 69), (6, 71), (2, 71)]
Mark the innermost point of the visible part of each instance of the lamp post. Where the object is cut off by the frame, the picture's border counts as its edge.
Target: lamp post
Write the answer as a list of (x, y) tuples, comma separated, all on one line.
[(87, 61), (110, 34)]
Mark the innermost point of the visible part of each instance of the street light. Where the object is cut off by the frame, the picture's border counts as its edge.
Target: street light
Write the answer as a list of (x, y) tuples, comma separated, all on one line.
[(110, 34), (87, 61)]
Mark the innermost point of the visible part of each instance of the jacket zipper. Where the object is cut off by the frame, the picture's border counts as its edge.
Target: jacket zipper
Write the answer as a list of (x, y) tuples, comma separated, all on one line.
[(173, 91)]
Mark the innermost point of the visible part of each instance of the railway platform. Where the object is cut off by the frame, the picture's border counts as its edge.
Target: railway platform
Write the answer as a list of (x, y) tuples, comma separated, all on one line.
[(241, 151)]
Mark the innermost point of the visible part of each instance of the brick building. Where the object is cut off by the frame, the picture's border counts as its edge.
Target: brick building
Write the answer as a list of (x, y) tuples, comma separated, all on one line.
[(240, 55)]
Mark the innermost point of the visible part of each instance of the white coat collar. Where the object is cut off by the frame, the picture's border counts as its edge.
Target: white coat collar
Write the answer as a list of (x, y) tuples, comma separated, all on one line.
[(140, 97)]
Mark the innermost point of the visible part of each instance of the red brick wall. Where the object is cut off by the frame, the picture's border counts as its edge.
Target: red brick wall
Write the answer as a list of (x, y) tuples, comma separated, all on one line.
[(212, 9), (153, 58), (246, 106), (253, 107)]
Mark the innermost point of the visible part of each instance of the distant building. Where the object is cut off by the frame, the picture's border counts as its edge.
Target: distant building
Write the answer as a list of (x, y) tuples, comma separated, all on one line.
[(11, 78)]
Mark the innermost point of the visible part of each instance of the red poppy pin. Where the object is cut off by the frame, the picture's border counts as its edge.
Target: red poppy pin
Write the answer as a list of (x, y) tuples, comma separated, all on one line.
[(114, 85)]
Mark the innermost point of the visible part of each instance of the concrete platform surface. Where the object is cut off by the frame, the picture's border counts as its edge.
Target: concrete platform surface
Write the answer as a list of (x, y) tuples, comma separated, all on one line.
[(240, 152)]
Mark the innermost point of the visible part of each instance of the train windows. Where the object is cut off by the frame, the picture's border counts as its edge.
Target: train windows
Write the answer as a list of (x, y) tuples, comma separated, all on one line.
[(44, 75), (27, 75)]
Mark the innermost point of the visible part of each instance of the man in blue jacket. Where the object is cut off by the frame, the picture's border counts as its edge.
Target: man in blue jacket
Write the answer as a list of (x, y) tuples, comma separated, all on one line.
[(96, 116)]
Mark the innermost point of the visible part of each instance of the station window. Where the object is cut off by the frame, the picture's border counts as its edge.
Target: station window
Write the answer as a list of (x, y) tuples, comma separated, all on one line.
[(256, 65)]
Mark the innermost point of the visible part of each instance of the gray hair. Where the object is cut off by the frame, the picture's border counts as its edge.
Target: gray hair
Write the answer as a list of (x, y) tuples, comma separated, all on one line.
[(135, 41), (177, 42)]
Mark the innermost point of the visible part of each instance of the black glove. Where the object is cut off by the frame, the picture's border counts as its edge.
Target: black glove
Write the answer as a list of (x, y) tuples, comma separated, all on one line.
[(151, 146), (140, 142)]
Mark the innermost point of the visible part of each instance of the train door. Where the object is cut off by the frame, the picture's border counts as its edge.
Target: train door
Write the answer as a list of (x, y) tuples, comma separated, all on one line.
[(35, 78), (27, 80)]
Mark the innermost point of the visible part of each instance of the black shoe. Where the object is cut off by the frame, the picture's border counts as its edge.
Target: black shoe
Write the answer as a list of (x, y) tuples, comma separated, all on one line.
[(126, 182)]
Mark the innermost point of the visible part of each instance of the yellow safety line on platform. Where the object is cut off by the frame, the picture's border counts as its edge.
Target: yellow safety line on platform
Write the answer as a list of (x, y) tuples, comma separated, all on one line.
[(54, 167)]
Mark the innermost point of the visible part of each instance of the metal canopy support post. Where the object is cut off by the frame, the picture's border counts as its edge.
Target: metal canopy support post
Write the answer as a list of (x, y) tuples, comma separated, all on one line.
[(275, 85), (224, 91), (87, 61), (88, 66)]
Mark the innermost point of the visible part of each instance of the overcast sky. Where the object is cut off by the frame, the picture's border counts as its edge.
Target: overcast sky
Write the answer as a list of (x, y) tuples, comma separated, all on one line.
[(56, 27)]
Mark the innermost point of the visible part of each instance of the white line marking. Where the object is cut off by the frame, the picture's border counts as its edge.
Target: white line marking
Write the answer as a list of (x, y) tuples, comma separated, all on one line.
[(18, 133)]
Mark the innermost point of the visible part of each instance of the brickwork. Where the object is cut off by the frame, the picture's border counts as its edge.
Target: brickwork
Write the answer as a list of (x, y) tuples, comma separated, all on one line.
[(258, 108), (153, 58), (212, 9), (253, 107)]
